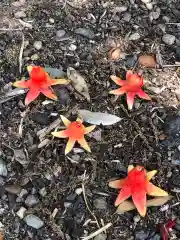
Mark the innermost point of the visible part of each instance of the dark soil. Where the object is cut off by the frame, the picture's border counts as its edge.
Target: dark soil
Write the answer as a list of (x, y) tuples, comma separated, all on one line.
[(137, 139)]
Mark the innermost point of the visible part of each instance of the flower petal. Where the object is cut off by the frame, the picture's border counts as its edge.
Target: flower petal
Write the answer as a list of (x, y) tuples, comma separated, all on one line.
[(29, 69), (130, 167), (117, 80), (89, 129), (21, 84), (119, 91), (65, 121), (129, 74), (60, 134), (48, 92), (150, 174), (130, 99), (84, 144), (69, 146), (58, 81), (143, 95), (155, 191), (123, 195), (117, 183), (139, 200), (31, 96)]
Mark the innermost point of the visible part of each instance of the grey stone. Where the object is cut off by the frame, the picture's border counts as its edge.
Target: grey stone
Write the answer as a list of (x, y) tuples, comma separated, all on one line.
[(60, 33), (37, 45), (134, 36), (33, 221), (100, 203), (3, 168), (35, 57), (20, 14), (85, 32), (168, 39), (14, 188), (31, 200)]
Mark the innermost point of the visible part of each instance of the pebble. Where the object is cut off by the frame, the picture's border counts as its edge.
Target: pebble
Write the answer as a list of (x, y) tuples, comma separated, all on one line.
[(37, 45), (33, 221), (179, 147), (127, 17), (35, 57), (168, 39), (149, 6), (134, 36), (121, 9), (155, 15), (59, 34), (78, 191), (51, 20), (100, 203), (13, 189), (20, 14), (43, 192), (72, 47), (31, 200), (101, 236), (3, 168), (85, 32), (20, 157), (63, 95), (21, 212), (137, 218)]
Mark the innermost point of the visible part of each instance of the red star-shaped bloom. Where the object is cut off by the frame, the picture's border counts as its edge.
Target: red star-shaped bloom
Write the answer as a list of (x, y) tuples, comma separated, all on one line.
[(75, 132), (39, 82), (131, 86), (137, 185)]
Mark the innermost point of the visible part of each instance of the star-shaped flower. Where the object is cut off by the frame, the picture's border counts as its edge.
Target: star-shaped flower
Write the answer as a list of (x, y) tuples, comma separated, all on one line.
[(75, 131), (39, 82), (131, 86), (137, 185)]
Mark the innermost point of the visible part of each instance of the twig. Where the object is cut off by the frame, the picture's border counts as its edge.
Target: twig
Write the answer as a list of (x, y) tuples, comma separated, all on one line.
[(85, 199), (94, 234), (64, 5), (21, 54), (134, 139), (10, 29), (174, 65)]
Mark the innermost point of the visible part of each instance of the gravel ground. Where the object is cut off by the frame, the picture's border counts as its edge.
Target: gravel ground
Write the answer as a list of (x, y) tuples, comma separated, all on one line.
[(41, 190)]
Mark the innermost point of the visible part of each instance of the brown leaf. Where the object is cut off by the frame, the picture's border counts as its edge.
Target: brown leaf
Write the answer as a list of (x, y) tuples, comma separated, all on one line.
[(148, 61)]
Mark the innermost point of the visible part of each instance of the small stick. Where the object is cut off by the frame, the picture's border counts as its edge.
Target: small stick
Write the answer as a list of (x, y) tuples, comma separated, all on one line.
[(85, 199), (175, 65), (21, 54), (94, 234)]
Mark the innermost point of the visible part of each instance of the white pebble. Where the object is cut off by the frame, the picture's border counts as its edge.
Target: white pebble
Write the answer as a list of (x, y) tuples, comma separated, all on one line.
[(21, 212), (78, 191), (51, 20), (72, 47), (37, 45)]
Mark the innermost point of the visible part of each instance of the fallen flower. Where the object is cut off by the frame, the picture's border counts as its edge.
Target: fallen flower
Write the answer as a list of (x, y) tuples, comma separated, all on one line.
[(164, 229), (131, 86), (137, 184), (75, 132), (39, 82)]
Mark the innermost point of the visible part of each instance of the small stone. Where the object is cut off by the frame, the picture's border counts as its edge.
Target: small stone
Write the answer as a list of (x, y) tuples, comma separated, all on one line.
[(37, 45), (33, 221), (154, 15), (20, 157), (137, 218), (149, 6), (168, 39), (31, 200), (146, 1), (51, 20), (131, 60), (35, 57), (59, 34), (3, 168), (127, 17), (78, 191), (134, 36), (100, 203), (101, 236), (13, 189), (142, 234), (43, 192), (121, 9), (85, 32), (71, 197), (20, 14), (21, 212), (72, 47)]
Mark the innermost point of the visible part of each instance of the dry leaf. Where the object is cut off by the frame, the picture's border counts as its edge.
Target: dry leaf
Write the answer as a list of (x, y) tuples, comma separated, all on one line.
[(148, 61), (1, 235), (78, 82), (129, 205), (98, 118), (115, 53)]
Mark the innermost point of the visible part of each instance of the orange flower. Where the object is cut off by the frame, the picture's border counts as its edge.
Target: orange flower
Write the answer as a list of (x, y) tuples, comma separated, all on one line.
[(39, 82), (131, 86), (75, 132), (137, 185)]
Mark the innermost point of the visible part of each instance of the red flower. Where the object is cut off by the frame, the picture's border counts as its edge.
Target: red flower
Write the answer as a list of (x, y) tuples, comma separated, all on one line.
[(75, 132), (137, 186), (39, 82), (131, 86)]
